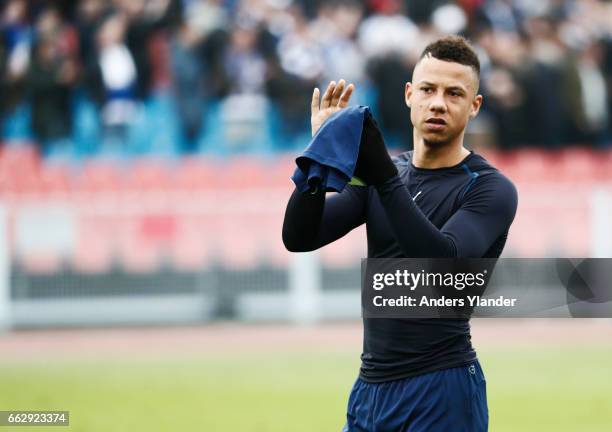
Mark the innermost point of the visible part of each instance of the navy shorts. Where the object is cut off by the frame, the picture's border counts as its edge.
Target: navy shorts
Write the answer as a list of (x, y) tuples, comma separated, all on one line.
[(452, 400)]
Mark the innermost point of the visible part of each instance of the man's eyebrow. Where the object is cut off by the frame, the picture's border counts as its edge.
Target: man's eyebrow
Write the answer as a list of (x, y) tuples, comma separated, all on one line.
[(460, 88), (453, 87)]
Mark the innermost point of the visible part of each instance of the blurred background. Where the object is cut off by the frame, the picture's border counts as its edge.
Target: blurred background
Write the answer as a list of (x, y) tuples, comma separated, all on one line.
[(145, 154)]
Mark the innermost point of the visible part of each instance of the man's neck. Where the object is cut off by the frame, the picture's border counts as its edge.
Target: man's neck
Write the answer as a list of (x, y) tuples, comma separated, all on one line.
[(438, 156)]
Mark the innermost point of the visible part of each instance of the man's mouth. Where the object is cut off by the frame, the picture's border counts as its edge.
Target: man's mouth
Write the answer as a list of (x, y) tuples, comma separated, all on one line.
[(435, 120), (435, 123)]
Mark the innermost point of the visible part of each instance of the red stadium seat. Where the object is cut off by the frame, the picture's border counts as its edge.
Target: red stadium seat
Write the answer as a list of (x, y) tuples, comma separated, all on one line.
[(148, 176), (19, 156), (194, 174), (540, 227), (274, 250), (100, 176), (94, 250), (346, 252), (41, 264), (531, 165), (55, 179), (243, 173), (604, 161), (493, 156), (19, 169), (240, 243), (279, 172), (193, 246), (158, 227), (580, 164), (135, 253), (19, 182)]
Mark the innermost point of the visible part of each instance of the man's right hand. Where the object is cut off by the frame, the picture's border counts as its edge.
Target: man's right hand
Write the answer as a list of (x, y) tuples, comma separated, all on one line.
[(334, 99)]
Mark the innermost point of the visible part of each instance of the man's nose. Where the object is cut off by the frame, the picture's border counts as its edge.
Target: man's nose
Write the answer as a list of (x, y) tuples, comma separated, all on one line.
[(438, 104)]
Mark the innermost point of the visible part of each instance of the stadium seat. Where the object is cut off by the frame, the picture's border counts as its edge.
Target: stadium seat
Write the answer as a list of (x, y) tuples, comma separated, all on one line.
[(540, 226), (279, 172), (580, 164), (193, 246), (346, 252), (161, 139), (193, 173), (86, 130), (135, 253), (275, 252), (40, 264), (55, 180), (100, 176), (155, 228), (19, 169), (94, 249), (242, 173), (16, 124), (18, 154), (241, 241), (530, 165), (147, 175), (494, 157)]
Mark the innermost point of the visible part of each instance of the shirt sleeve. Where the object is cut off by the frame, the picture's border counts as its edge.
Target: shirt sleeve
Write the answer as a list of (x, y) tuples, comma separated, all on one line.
[(486, 212), (314, 220)]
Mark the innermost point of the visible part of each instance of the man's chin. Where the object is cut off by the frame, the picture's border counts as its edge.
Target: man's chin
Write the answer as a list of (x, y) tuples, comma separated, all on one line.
[(436, 140)]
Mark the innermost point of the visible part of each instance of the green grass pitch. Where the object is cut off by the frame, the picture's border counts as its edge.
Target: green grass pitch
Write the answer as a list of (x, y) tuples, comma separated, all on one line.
[(530, 389)]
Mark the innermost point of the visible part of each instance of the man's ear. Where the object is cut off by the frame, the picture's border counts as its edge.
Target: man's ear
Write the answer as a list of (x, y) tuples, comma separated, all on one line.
[(408, 93), (476, 104)]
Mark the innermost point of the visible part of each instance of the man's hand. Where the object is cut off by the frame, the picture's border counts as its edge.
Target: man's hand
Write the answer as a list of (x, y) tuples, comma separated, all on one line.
[(334, 99), (374, 165)]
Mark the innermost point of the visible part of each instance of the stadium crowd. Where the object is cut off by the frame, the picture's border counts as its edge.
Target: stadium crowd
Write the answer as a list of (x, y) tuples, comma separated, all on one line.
[(117, 70)]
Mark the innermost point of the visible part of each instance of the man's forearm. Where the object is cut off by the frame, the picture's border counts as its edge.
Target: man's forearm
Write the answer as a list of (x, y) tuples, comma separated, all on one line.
[(415, 234), (303, 220)]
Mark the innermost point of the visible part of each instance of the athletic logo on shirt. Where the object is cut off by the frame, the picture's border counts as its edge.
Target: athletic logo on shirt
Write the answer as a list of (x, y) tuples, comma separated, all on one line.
[(415, 197)]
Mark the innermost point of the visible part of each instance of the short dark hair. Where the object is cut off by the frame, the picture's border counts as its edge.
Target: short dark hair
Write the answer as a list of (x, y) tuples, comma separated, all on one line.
[(454, 49)]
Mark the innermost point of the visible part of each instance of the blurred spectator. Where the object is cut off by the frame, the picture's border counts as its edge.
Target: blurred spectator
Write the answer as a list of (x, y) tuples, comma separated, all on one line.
[(4, 87), (115, 83), (501, 16), (295, 69), (505, 73), (143, 19), (16, 38), (188, 82), (243, 112), (335, 31), (244, 63), (419, 11), (607, 70), (546, 66), (90, 16), (391, 43), (51, 77), (388, 32), (594, 116), (449, 19)]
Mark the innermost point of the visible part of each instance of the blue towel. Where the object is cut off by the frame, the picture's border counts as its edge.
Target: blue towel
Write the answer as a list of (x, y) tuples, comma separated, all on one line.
[(329, 160)]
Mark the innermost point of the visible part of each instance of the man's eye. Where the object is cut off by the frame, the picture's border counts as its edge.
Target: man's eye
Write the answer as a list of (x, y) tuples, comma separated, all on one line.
[(454, 93), (427, 89)]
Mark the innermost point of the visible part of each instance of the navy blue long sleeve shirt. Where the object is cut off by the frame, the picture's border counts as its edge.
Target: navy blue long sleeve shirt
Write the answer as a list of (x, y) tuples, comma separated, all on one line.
[(460, 211)]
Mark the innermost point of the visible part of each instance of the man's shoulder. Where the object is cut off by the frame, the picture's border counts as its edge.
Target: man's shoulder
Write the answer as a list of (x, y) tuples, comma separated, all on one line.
[(492, 190), (486, 173)]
